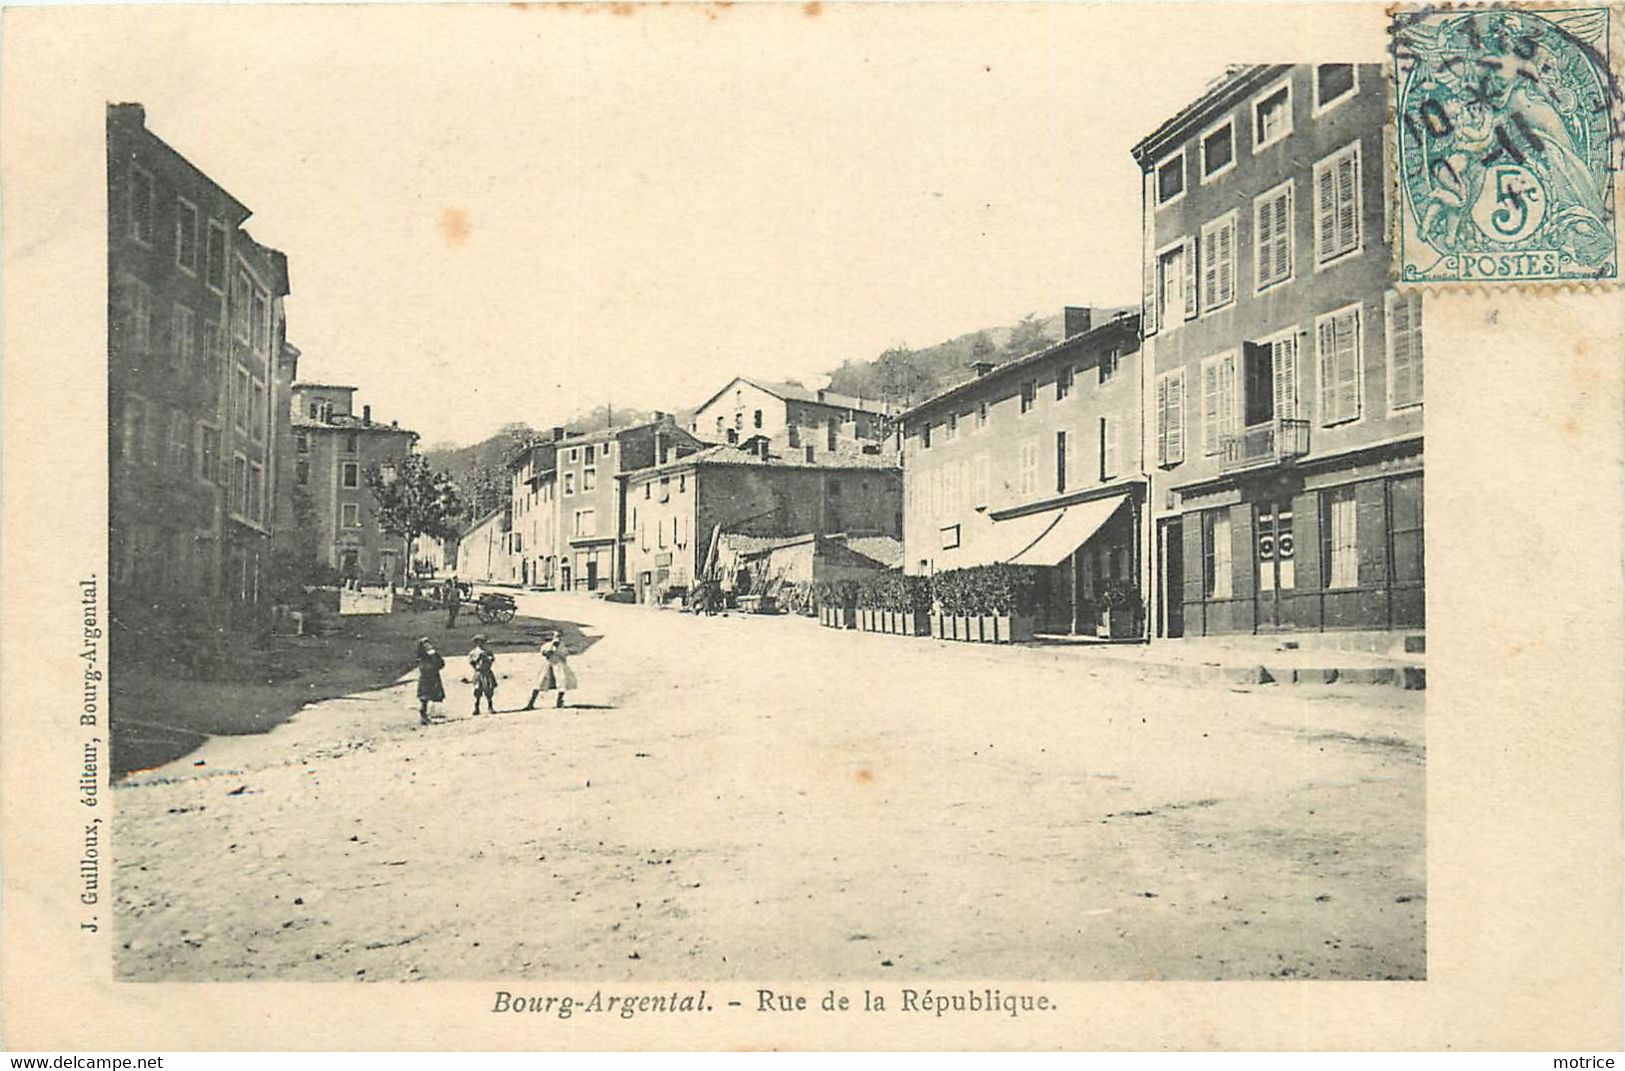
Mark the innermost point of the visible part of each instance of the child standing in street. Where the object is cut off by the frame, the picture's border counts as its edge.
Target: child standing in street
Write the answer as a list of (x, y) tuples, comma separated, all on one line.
[(430, 689), (556, 674), (485, 678)]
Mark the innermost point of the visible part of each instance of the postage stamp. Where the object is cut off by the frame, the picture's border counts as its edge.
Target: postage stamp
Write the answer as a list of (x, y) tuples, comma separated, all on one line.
[(1507, 124)]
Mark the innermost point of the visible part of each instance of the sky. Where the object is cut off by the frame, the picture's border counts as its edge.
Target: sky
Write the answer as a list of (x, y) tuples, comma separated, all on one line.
[(502, 213)]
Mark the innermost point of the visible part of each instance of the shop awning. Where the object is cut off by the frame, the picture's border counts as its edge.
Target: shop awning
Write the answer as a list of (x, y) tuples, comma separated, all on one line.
[(1066, 530)]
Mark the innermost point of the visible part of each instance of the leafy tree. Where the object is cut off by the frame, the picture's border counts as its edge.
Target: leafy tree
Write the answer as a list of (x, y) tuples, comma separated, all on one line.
[(1027, 336), (414, 500), (982, 348)]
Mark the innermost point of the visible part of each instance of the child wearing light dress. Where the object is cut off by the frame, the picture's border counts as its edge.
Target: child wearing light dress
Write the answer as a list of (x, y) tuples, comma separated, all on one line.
[(556, 674)]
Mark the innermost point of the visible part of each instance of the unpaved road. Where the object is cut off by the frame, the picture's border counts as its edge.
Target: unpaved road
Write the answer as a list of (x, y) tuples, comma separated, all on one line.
[(763, 798)]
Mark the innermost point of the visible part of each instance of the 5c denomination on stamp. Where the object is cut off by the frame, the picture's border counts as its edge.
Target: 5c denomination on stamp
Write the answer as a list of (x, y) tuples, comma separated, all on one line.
[(1506, 121)]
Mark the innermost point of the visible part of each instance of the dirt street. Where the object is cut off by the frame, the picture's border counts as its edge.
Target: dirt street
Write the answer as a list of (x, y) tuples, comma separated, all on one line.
[(762, 798)]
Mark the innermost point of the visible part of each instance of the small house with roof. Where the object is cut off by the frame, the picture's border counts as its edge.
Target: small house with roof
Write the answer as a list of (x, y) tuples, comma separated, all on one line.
[(789, 415)]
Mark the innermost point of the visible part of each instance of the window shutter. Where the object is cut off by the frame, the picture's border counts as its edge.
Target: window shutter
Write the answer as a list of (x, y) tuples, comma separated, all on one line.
[(1176, 417), (1282, 209), (1108, 430), (1225, 276), (1210, 269), (1163, 384), (1284, 360), (1148, 306), (1210, 408), (1188, 256), (1264, 240), (1325, 211), (1229, 397), (1325, 359), (1348, 219), (1348, 365), (1404, 345)]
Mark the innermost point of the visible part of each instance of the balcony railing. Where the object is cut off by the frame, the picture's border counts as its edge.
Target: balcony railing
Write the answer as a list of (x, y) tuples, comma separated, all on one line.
[(1264, 445)]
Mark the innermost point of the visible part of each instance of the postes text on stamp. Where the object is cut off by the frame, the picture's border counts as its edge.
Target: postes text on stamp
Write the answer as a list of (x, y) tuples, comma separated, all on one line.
[(1506, 124)]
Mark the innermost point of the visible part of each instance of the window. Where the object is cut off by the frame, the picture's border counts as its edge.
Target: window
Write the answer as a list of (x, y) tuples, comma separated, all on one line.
[(569, 483), (572, 453), (1063, 382), (834, 487), (186, 235), (1270, 371), (1216, 571), (1110, 429), (607, 448), (143, 205), (1176, 283), (1171, 179), (682, 482), (719, 424), (1170, 417), (925, 436), (260, 326), (239, 485), (1060, 461), (350, 514), (950, 536), (1334, 83), (1405, 528), (648, 490), (208, 454), (256, 495), (301, 442), (1219, 263), (140, 315), (214, 258), (1404, 334), (134, 432), (214, 362), (757, 419), (301, 472), (241, 402), (1219, 408), (1029, 467), (183, 337), (981, 480), (350, 474), (1337, 204), (180, 442), (586, 522), (1272, 114), (258, 419), (950, 427), (665, 488), (1029, 393), (589, 479), (1339, 545), (1337, 358), (1218, 150), (981, 414), (1109, 362), (589, 454), (1272, 236)]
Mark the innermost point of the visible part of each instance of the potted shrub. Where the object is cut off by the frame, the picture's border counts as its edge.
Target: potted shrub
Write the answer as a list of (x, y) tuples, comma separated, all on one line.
[(1117, 617), (915, 606)]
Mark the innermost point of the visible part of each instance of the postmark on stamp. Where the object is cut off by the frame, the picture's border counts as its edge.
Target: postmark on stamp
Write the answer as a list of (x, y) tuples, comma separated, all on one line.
[(1507, 126)]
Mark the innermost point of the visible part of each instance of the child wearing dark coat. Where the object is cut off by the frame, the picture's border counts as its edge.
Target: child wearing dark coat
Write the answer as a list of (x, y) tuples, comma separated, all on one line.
[(485, 678)]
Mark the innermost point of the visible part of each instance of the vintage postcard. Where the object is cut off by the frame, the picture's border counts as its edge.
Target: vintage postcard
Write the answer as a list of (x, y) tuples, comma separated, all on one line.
[(817, 525)]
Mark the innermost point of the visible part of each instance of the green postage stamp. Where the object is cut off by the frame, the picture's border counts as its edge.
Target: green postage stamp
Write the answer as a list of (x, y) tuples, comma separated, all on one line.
[(1508, 130)]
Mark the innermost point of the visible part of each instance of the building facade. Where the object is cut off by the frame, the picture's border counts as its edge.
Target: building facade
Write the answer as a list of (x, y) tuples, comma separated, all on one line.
[(533, 505), (333, 448), (1284, 375), (674, 509), (590, 553), (790, 416), (482, 550), (1037, 462), (198, 370)]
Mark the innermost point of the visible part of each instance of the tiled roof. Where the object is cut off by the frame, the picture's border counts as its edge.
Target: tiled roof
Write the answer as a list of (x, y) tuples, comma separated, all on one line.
[(345, 422), (733, 455), (886, 550), (797, 392)]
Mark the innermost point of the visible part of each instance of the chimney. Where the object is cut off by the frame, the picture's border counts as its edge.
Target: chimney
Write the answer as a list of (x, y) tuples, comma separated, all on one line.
[(660, 417), (558, 433), (660, 447), (366, 416), (982, 368), (1076, 320)]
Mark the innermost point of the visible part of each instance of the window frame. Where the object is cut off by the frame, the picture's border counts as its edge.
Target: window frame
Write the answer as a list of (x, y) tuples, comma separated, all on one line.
[(1263, 95), (1233, 355), (1065, 381), (182, 336), (1204, 175), (1183, 244), (1357, 308), (1163, 437), (1329, 579), (133, 230), (1156, 179), (1328, 162), (208, 257), (345, 468), (348, 510), (1390, 299), (1208, 230), (1269, 196), (182, 205), (1320, 107), (1212, 590)]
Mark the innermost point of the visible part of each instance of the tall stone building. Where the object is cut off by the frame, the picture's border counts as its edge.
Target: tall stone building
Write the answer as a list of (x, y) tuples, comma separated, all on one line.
[(198, 371)]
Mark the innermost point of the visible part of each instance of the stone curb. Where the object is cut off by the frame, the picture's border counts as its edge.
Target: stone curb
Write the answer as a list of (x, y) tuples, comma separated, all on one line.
[(1410, 678)]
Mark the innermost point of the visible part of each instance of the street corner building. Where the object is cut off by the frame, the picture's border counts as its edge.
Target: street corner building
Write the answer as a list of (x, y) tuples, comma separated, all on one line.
[(199, 374), (1037, 462), (681, 509), (333, 509), (1283, 372)]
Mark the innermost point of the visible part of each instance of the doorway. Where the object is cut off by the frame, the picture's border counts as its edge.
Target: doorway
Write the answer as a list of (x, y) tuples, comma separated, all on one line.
[(1171, 548), (1276, 569)]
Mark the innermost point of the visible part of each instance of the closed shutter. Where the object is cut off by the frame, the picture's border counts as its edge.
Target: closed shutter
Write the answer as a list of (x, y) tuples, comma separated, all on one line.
[(1243, 547), (1225, 276), (1191, 530), (1188, 256), (1229, 398), (1306, 542), (1404, 349), (1348, 217), (1284, 361), (1108, 447), (1210, 269), (1162, 419), (1281, 209), (1176, 417), (1348, 364), (1210, 408), (1149, 302), (1371, 532), (1264, 241), (1325, 212)]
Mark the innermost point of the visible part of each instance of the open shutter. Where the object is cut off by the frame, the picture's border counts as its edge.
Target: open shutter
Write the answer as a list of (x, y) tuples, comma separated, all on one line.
[(1149, 303), (1284, 361), (1325, 211), (1225, 272), (1264, 241), (1347, 361), (1348, 218), (1162, 419), (1229, 396), (1281, 209), (1326, 364), (1210, 408), (1176, 417), (1210, 269), (1189, 258)]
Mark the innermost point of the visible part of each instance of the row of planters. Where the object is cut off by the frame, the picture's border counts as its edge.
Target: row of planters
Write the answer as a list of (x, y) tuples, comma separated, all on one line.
[(982, 604)]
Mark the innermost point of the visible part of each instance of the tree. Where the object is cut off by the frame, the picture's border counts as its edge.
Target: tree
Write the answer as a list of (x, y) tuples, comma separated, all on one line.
[(1027, 336), (414, 500), (982, 348)]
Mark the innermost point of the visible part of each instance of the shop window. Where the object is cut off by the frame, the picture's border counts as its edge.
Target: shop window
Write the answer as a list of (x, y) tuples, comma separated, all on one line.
[(1405, 529), (1339, 546), (1216, 560)]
